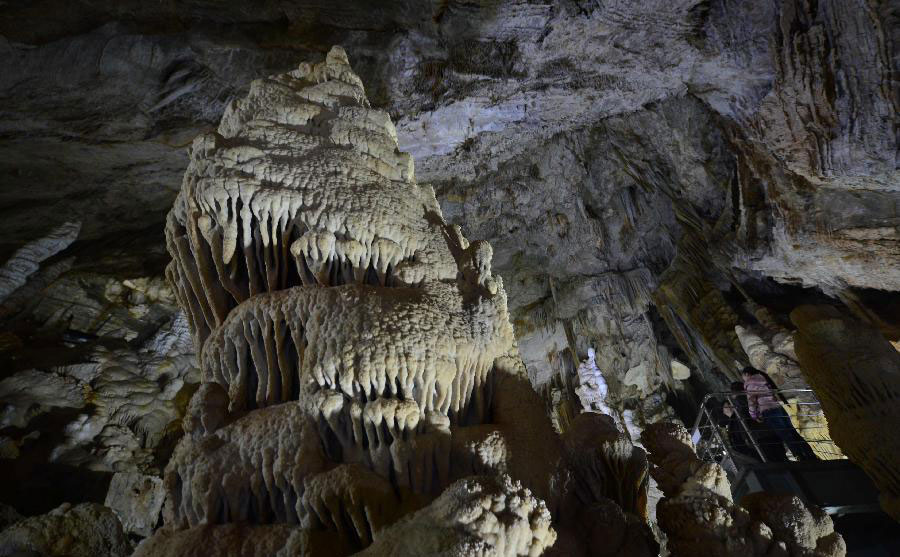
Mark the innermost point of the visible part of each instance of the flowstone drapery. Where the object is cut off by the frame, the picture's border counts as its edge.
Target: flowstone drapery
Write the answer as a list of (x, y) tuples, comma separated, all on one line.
[(358, 364)]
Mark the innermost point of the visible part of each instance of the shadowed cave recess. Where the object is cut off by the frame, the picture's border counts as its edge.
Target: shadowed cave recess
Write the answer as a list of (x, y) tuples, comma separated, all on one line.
[(457, 278)]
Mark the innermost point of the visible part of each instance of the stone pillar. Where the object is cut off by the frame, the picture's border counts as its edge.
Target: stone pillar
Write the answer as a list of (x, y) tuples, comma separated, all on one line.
[(856, 374)]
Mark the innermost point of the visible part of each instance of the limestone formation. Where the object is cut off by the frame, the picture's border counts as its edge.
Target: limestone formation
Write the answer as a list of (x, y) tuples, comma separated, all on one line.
[(114, 359), (694, 308), (592, 389), (356, 354), (239, 540), (137, 500), (573, 136), (805, 530), (26, 260), (776, 357), (605, 464), (478, 516), (699, 518), (85, 530), (856, 374), (604, 511), (32, 392), (680, 371), (783, 370), (831, 61)]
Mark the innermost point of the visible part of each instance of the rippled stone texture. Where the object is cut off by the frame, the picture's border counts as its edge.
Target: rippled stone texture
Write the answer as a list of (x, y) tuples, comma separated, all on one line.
[(355, 350)]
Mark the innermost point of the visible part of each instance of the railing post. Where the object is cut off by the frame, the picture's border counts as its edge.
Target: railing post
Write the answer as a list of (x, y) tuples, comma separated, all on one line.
[(705, 413), (715, 427), (746, 429)]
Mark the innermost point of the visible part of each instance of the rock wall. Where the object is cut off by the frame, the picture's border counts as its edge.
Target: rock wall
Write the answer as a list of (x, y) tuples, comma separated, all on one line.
[(641, 170), (856, 373)]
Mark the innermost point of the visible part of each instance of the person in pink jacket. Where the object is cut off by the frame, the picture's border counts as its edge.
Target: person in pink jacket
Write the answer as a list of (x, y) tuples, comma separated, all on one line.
[(764, 406)]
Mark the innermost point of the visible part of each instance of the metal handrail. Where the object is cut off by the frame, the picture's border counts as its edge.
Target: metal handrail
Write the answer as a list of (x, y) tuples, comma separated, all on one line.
[(730, 393), (806, 405)]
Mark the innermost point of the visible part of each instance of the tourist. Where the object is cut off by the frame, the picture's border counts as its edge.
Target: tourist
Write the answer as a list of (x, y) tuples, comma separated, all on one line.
[(744, 430), (764, 406)]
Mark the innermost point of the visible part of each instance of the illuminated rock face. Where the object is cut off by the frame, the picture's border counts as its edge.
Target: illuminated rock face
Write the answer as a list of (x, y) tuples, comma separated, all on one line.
[(856, 374), (592, 389), (355, 350)]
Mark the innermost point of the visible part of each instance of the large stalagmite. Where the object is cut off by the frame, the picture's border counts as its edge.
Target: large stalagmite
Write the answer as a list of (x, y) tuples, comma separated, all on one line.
[(356, 351)]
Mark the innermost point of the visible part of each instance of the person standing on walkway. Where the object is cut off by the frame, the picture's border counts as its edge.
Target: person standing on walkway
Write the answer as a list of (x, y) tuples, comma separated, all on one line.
[(741, 427), (764, 406)]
